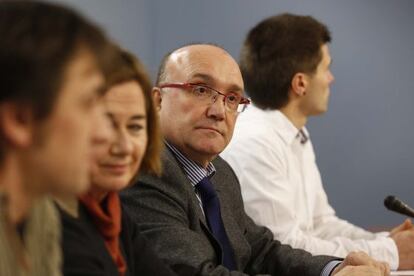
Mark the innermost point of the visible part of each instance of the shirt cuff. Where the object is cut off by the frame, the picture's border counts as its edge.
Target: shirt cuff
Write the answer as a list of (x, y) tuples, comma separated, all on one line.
[(327, 270), (394, 256)]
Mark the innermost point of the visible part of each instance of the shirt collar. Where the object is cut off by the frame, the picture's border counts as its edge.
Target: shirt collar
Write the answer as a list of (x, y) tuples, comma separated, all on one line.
[(194, 172), (69, 204), (287, 129)]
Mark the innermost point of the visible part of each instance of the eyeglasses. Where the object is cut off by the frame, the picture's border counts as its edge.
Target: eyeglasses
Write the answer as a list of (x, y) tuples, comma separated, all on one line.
[(232, 101)]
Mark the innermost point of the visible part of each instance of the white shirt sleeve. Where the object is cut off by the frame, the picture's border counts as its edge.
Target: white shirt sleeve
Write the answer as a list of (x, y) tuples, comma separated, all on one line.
[(347, 237), (274, 200), (328, 226)]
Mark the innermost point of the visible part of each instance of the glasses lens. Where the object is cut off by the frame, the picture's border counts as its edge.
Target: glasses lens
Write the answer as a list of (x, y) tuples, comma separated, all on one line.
[(202, 92), (232, 101), (205, 93)]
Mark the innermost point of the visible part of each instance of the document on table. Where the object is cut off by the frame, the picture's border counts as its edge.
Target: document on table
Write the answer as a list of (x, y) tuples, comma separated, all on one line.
[(403, 272)]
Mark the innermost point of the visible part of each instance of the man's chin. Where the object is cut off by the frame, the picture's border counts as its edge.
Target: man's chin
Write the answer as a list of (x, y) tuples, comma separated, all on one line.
[(320, 111), (212, 149)]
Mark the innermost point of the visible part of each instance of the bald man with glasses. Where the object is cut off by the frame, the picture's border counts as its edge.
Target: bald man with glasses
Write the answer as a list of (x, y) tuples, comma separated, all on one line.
[(193, 213)]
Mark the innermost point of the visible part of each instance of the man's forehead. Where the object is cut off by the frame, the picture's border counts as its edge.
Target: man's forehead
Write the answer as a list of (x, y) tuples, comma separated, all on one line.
[(196, 50), (204, 61), (199, 56)]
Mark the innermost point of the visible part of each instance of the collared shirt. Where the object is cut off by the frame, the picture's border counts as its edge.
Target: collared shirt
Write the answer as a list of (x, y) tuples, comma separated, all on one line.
[(282, 189), (38, 252), (195, 173)]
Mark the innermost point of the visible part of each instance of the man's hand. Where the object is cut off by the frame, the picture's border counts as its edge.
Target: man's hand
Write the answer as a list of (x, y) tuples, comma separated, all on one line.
[(359, 263), (405, 244), (406, 225)]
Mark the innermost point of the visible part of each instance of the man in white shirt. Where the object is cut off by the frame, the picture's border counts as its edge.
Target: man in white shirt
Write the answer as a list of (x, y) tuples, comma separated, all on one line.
[(285, 64)]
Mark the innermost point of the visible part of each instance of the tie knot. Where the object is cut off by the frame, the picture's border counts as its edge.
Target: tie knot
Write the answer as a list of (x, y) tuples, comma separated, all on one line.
[(206, 189)]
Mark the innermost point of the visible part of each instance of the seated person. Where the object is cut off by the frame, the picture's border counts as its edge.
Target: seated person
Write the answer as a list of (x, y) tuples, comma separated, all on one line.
[(98, 237), (193, 213), (285, 63), (50, 77)]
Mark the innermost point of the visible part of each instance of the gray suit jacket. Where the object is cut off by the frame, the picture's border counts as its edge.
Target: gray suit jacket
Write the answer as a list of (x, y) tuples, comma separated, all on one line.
[(170, 216)]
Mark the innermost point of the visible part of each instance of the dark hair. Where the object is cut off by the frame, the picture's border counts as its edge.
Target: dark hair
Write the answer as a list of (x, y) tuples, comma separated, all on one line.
[(275, 50), (37, 40), (128, 68)]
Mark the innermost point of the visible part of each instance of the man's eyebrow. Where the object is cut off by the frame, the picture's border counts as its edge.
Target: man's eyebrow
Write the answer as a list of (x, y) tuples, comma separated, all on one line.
[(236, 88), (209, 80), (205, 77)]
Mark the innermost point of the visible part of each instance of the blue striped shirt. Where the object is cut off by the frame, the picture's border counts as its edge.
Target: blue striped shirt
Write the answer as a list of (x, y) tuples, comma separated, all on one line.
[(194, 172)]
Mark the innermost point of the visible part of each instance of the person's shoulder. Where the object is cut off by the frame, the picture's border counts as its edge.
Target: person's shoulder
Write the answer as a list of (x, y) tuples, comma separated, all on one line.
[(223, 169), (220, 163), (257, 140), (257, 126), (257, 119), (45, 210), (130, 233), (170, 168), (172, 182), (129, 228)]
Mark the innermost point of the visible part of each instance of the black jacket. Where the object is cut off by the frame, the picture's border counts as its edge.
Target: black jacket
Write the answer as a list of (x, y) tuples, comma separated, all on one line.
[(84, 251)]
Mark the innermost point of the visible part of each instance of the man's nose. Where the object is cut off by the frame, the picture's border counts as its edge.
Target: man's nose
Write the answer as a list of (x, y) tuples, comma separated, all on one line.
[(332, 77), (217, 109)]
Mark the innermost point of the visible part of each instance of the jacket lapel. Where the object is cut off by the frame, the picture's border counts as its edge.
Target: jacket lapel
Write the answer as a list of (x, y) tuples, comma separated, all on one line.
[(175, 174)]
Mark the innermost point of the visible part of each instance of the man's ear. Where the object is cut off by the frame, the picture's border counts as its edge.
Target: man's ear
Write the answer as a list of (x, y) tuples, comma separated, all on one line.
[(157, 98), (299, 84), (16, 124)]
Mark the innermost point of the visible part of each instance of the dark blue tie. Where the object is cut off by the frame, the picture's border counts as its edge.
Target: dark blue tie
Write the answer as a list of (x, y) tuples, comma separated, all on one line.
[(211, 208)]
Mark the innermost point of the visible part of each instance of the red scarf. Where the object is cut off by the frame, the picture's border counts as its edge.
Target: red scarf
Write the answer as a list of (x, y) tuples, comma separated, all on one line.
[(108, 224)]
